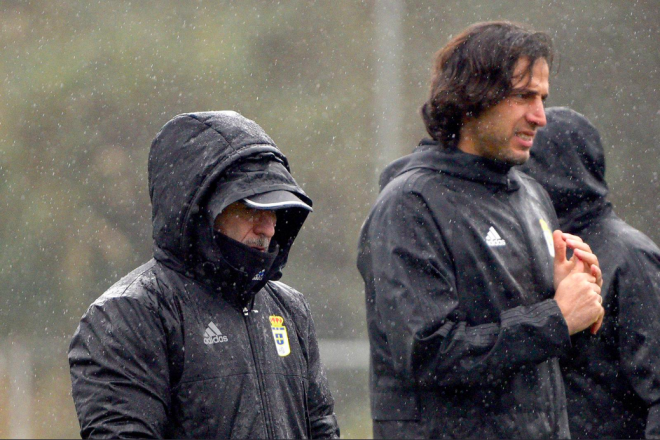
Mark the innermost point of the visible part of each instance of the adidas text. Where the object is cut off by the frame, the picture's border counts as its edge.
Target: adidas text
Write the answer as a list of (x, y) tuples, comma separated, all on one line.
[(212, 335), (493, 239)]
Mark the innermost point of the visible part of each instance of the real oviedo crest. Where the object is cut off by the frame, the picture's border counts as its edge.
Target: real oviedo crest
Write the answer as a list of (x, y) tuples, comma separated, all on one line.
[(280, 335)]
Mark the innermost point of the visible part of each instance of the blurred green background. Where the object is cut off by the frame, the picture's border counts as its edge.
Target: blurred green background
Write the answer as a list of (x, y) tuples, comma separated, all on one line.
[(85, 86)]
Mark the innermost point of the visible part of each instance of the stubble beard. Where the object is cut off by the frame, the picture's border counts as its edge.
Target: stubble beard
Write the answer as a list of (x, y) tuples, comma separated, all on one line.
[(497, 147), (261, 242)]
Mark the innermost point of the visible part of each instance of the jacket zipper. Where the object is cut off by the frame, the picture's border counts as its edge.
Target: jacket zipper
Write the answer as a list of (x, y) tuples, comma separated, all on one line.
[(527, 237), (262, 386)]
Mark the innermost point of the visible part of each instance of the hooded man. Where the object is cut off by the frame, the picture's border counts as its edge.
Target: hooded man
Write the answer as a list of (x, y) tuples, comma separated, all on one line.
[(612, 379), (470, 297), (202, 341)]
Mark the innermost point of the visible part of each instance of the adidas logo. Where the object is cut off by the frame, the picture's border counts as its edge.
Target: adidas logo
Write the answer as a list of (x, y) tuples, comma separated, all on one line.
[(493, 239), (260, 275), (213, 335)]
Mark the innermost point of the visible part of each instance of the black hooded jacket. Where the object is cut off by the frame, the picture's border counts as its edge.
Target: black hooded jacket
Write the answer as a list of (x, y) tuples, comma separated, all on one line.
[(612, 379), (457, 260), (197, 343)]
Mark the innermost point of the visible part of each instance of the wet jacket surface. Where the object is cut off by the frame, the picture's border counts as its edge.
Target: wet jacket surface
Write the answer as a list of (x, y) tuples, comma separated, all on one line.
[(175, 349), (612, 379), (456, 256)]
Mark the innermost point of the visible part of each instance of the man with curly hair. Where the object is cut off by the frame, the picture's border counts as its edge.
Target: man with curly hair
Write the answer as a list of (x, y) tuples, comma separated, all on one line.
[(470, 295)]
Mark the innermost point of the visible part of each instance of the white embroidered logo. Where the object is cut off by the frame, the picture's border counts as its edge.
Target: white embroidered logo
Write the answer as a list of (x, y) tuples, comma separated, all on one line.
[(260, 275), (493, 239), (213, 335)]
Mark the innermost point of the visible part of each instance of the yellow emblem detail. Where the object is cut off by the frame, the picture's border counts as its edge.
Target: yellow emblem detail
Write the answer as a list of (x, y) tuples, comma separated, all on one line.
[(547, 234), (280, 335)]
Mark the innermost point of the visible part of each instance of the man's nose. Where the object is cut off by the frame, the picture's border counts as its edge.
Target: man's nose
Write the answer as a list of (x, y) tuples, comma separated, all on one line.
[(536, 114), (265, 224)]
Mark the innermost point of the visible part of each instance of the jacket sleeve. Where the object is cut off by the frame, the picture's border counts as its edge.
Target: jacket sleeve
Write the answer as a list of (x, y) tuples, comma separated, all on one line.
[(418, 306), (322, 419), (638, 285), (119, 370)]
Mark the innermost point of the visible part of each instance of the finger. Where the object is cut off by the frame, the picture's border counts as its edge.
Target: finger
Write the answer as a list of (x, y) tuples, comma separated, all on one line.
[(598, 324), (597, 289), (592, 284), (577, 244), (560, 246), (575, 238), (588, 258), (579, 268), (596, 272)]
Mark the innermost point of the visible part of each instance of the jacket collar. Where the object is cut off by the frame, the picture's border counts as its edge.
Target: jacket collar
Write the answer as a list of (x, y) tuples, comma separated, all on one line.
[(430, 154)]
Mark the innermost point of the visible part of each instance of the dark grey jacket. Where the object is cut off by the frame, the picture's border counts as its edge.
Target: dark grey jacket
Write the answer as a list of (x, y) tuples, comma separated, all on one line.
[(176, 349), (457, 261), (612, 379)]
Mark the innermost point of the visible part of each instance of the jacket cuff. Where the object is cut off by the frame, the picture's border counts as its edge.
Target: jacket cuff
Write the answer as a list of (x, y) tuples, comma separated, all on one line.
[(325, 427), (543, 319), (561, 323)]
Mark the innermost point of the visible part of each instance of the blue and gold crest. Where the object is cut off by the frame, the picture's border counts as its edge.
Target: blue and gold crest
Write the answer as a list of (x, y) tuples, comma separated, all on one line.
[(280, 335)]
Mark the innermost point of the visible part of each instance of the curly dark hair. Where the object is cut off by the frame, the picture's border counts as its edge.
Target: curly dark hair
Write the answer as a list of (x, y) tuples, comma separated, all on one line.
[(474, 72)]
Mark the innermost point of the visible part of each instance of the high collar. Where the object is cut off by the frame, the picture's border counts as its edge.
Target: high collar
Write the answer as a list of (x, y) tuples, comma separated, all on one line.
[(234, 270), (431, 154)]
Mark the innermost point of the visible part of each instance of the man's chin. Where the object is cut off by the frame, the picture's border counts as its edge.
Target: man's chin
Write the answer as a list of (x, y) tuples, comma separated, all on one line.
[(260, 246), (517, 158), (519, 161)]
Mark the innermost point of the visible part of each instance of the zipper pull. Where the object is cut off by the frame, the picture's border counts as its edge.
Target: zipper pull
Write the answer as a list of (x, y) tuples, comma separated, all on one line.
[(246, 312)]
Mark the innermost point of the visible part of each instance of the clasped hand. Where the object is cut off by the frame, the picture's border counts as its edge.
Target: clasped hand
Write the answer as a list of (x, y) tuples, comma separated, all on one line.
[(578, 283)]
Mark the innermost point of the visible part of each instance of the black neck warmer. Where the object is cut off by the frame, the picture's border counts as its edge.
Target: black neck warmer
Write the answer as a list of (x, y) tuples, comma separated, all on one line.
[(235, 270)]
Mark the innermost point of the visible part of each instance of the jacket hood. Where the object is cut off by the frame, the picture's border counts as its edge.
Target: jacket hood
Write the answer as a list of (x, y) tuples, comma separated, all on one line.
[(567, 159), (431, 154), (196, 155)]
